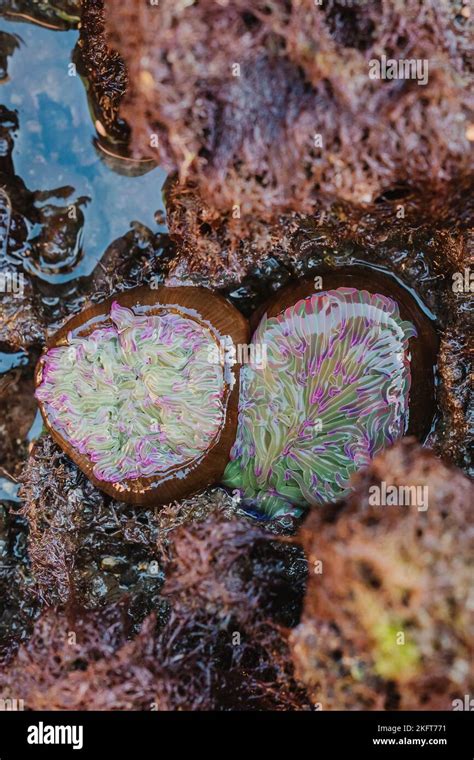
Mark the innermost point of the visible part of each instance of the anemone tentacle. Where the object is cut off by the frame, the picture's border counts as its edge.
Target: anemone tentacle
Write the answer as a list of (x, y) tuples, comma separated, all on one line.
[(333, 392), (139, 397)]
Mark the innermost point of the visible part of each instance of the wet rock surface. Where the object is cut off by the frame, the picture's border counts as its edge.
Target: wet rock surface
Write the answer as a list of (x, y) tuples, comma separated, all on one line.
[(19, 606), (219, 641), (84, 548), (59, 15), (105, 72)]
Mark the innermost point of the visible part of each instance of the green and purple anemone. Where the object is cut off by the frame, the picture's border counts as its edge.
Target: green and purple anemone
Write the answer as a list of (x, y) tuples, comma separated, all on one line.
[(139, 397), (332, 392)]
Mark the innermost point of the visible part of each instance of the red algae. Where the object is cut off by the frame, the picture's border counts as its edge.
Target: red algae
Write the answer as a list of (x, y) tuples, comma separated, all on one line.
[(261, 105), (387, 622)]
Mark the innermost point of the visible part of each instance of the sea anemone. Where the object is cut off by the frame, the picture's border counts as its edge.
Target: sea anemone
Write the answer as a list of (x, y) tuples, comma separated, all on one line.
[(332, 392), (139, 391)]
